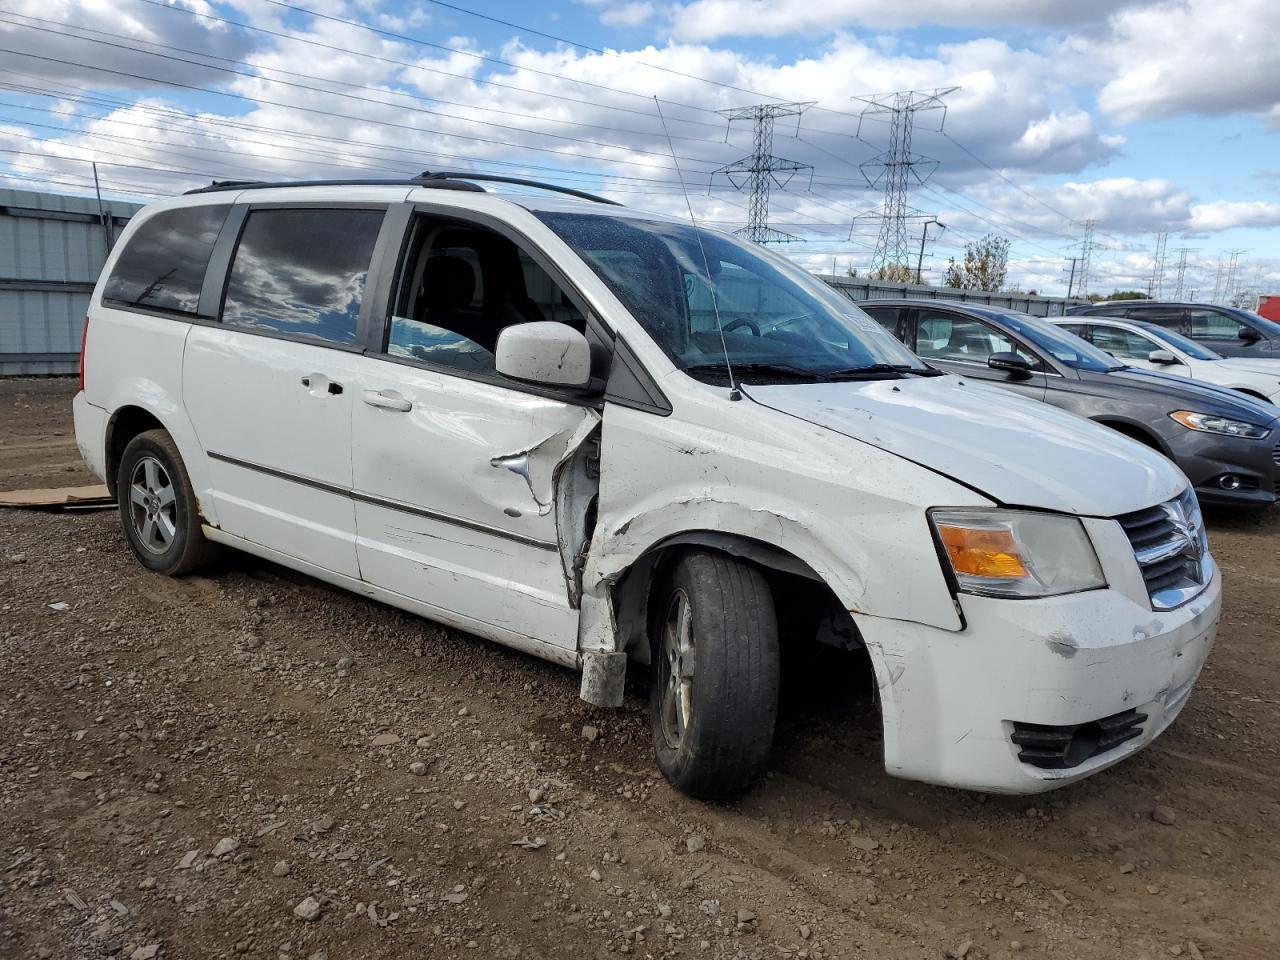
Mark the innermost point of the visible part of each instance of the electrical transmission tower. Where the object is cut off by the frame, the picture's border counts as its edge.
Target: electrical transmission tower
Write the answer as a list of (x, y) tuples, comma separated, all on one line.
[(1155, 286), (897, 166), (759, 172), (1229, 289), (1086, 255), (1180, 286)]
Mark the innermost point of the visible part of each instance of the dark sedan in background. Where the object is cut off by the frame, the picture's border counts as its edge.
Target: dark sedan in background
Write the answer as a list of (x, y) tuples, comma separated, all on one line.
[(1226, 444), (1229, 331)]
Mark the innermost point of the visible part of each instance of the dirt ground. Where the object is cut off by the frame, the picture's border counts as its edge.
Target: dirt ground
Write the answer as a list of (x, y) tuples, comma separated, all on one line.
[(184, 762)]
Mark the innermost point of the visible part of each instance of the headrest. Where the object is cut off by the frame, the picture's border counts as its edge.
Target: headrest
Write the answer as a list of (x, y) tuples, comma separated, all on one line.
[(447, 283)]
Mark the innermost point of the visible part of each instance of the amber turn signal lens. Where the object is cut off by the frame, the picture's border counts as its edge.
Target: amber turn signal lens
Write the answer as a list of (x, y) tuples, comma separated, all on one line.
[(982, 552)]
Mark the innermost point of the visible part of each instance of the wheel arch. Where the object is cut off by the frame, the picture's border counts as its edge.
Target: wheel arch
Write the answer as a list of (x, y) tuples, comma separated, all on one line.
[(632, 590), (123, 425), (1135, 431)]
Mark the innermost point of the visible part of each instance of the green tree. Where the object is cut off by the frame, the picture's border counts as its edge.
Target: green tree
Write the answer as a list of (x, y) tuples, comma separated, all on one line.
[(894, 273), (985, 265), (1128, 295)]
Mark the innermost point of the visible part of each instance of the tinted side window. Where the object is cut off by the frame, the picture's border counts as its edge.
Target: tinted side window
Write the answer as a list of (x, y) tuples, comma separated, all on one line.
[(945, 336), (164, 263), (1123, 344), (887, 317), (1170, 317), (302, 272), (1212, 325), (1079, 329)]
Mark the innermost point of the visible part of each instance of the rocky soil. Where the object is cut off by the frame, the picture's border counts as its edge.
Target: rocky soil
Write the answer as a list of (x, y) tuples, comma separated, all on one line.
[(252, 764)]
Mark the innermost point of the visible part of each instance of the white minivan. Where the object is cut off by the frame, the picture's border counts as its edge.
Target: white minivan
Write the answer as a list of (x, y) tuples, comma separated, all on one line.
[(603, 436)]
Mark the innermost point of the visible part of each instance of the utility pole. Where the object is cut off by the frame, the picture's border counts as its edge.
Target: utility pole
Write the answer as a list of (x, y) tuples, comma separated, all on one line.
[(1086, 254), (1071, 278), (1179, 290), (895, 167), (924, 236), (759, 172), (1155, 286), (1217, 283)]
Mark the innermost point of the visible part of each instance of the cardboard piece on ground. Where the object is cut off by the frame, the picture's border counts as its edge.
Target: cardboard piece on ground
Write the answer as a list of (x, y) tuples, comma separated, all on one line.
[(66, 498)]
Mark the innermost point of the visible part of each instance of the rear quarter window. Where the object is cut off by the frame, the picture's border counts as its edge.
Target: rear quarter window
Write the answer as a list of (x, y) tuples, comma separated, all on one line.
[(162, 266)]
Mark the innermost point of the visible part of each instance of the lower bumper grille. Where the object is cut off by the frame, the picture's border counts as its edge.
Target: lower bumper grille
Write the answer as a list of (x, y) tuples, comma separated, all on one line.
[(1062, 747)]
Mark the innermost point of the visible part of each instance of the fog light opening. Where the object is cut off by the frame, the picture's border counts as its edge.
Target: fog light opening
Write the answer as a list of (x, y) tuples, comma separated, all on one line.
[(1229, 481)]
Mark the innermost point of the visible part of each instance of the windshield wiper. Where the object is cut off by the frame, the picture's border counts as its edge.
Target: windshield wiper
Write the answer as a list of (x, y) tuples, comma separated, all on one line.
[(875, 370), (772, 369)]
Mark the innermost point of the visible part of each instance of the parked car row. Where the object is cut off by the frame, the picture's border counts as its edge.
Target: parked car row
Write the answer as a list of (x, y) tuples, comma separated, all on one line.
[(607, 438), (1226, 442)]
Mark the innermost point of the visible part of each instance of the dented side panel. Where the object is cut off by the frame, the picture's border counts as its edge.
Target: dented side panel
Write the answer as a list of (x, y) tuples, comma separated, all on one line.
[(853, 513), (456, 498)]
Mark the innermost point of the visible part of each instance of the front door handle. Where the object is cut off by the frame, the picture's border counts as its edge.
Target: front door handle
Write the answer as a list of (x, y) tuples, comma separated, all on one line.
[(387, 400), (318, 383)]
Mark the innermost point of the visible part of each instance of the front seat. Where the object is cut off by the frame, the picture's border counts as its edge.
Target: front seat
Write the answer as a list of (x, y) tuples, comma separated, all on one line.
[(445, 297)]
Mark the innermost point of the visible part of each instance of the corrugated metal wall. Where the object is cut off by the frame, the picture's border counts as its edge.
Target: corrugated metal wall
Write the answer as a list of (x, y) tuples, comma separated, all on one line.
[(857, 290), (52, 248)]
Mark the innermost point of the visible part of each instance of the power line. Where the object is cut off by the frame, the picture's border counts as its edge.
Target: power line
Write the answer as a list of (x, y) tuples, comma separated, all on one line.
[(406, 64), (335, 93)]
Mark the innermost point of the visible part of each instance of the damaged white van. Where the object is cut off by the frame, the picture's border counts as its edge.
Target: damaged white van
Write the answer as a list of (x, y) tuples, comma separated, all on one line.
[(603, 437)]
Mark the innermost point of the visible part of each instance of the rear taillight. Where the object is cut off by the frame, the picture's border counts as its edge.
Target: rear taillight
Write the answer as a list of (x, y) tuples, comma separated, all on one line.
[(84, 338)]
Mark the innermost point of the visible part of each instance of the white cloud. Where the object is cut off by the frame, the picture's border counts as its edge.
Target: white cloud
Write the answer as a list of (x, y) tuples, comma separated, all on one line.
[(702, 20), (1229, 214), (630, 14), (1192, 56)]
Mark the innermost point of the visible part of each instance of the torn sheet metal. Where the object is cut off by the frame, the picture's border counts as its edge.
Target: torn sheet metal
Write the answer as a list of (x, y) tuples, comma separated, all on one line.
[(538, 464)]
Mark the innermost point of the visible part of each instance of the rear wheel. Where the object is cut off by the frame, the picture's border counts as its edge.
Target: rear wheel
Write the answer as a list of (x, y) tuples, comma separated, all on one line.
[(158, 508), (714, 692)]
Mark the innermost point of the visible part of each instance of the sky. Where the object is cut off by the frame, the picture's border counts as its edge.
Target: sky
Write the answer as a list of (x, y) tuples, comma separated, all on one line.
[(1144, 116)]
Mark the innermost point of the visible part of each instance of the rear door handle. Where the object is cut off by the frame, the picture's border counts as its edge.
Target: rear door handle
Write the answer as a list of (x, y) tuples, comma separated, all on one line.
[(387, 400)]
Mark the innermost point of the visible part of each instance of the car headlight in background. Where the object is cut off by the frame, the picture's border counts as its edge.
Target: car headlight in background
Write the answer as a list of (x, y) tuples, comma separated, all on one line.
[(1016, 553), (1208, 423)]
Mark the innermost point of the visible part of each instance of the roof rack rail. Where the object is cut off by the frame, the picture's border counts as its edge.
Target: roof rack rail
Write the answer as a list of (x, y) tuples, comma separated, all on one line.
[(449, 180), (455, 175)]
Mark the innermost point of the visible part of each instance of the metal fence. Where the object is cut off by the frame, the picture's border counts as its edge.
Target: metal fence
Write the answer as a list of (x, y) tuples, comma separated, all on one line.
[(52, 249), (1037, 306)]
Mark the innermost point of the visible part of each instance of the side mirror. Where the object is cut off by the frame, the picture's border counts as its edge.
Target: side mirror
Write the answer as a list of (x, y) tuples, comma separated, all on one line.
[(1162, 356), (1011, 363), (546, 353), (1249, 335)]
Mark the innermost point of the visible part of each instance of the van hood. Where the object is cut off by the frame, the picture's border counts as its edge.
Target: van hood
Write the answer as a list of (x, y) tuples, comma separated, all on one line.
[(1016, 451)]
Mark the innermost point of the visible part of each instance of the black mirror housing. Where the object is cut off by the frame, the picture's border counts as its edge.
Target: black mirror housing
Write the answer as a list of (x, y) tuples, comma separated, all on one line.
[(1249, 335), (1011, 363)]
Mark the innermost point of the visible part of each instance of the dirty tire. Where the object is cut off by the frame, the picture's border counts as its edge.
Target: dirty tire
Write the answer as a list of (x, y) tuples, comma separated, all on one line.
[(733, 684), (151, 469)]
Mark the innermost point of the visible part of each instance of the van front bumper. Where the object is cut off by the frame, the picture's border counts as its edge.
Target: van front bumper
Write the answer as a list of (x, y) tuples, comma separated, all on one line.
[(1074, 673)]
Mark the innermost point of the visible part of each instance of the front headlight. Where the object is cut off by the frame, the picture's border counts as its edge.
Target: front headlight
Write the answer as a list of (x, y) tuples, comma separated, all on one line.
[(1208, 423), (1015, 553)]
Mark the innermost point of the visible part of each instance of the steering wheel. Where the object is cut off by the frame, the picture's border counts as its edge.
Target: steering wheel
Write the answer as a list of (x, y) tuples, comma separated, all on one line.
[(751, 325)]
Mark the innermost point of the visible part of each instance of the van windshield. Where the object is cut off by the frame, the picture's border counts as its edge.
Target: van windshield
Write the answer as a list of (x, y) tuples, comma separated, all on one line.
[(779, 323)]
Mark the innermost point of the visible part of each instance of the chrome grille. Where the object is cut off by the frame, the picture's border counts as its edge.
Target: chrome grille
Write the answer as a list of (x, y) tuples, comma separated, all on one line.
[(1275, 454), (1171, 548)]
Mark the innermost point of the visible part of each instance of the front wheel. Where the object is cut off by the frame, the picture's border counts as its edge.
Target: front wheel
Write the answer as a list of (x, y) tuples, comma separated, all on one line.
[(158, 508), (713, 699)]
